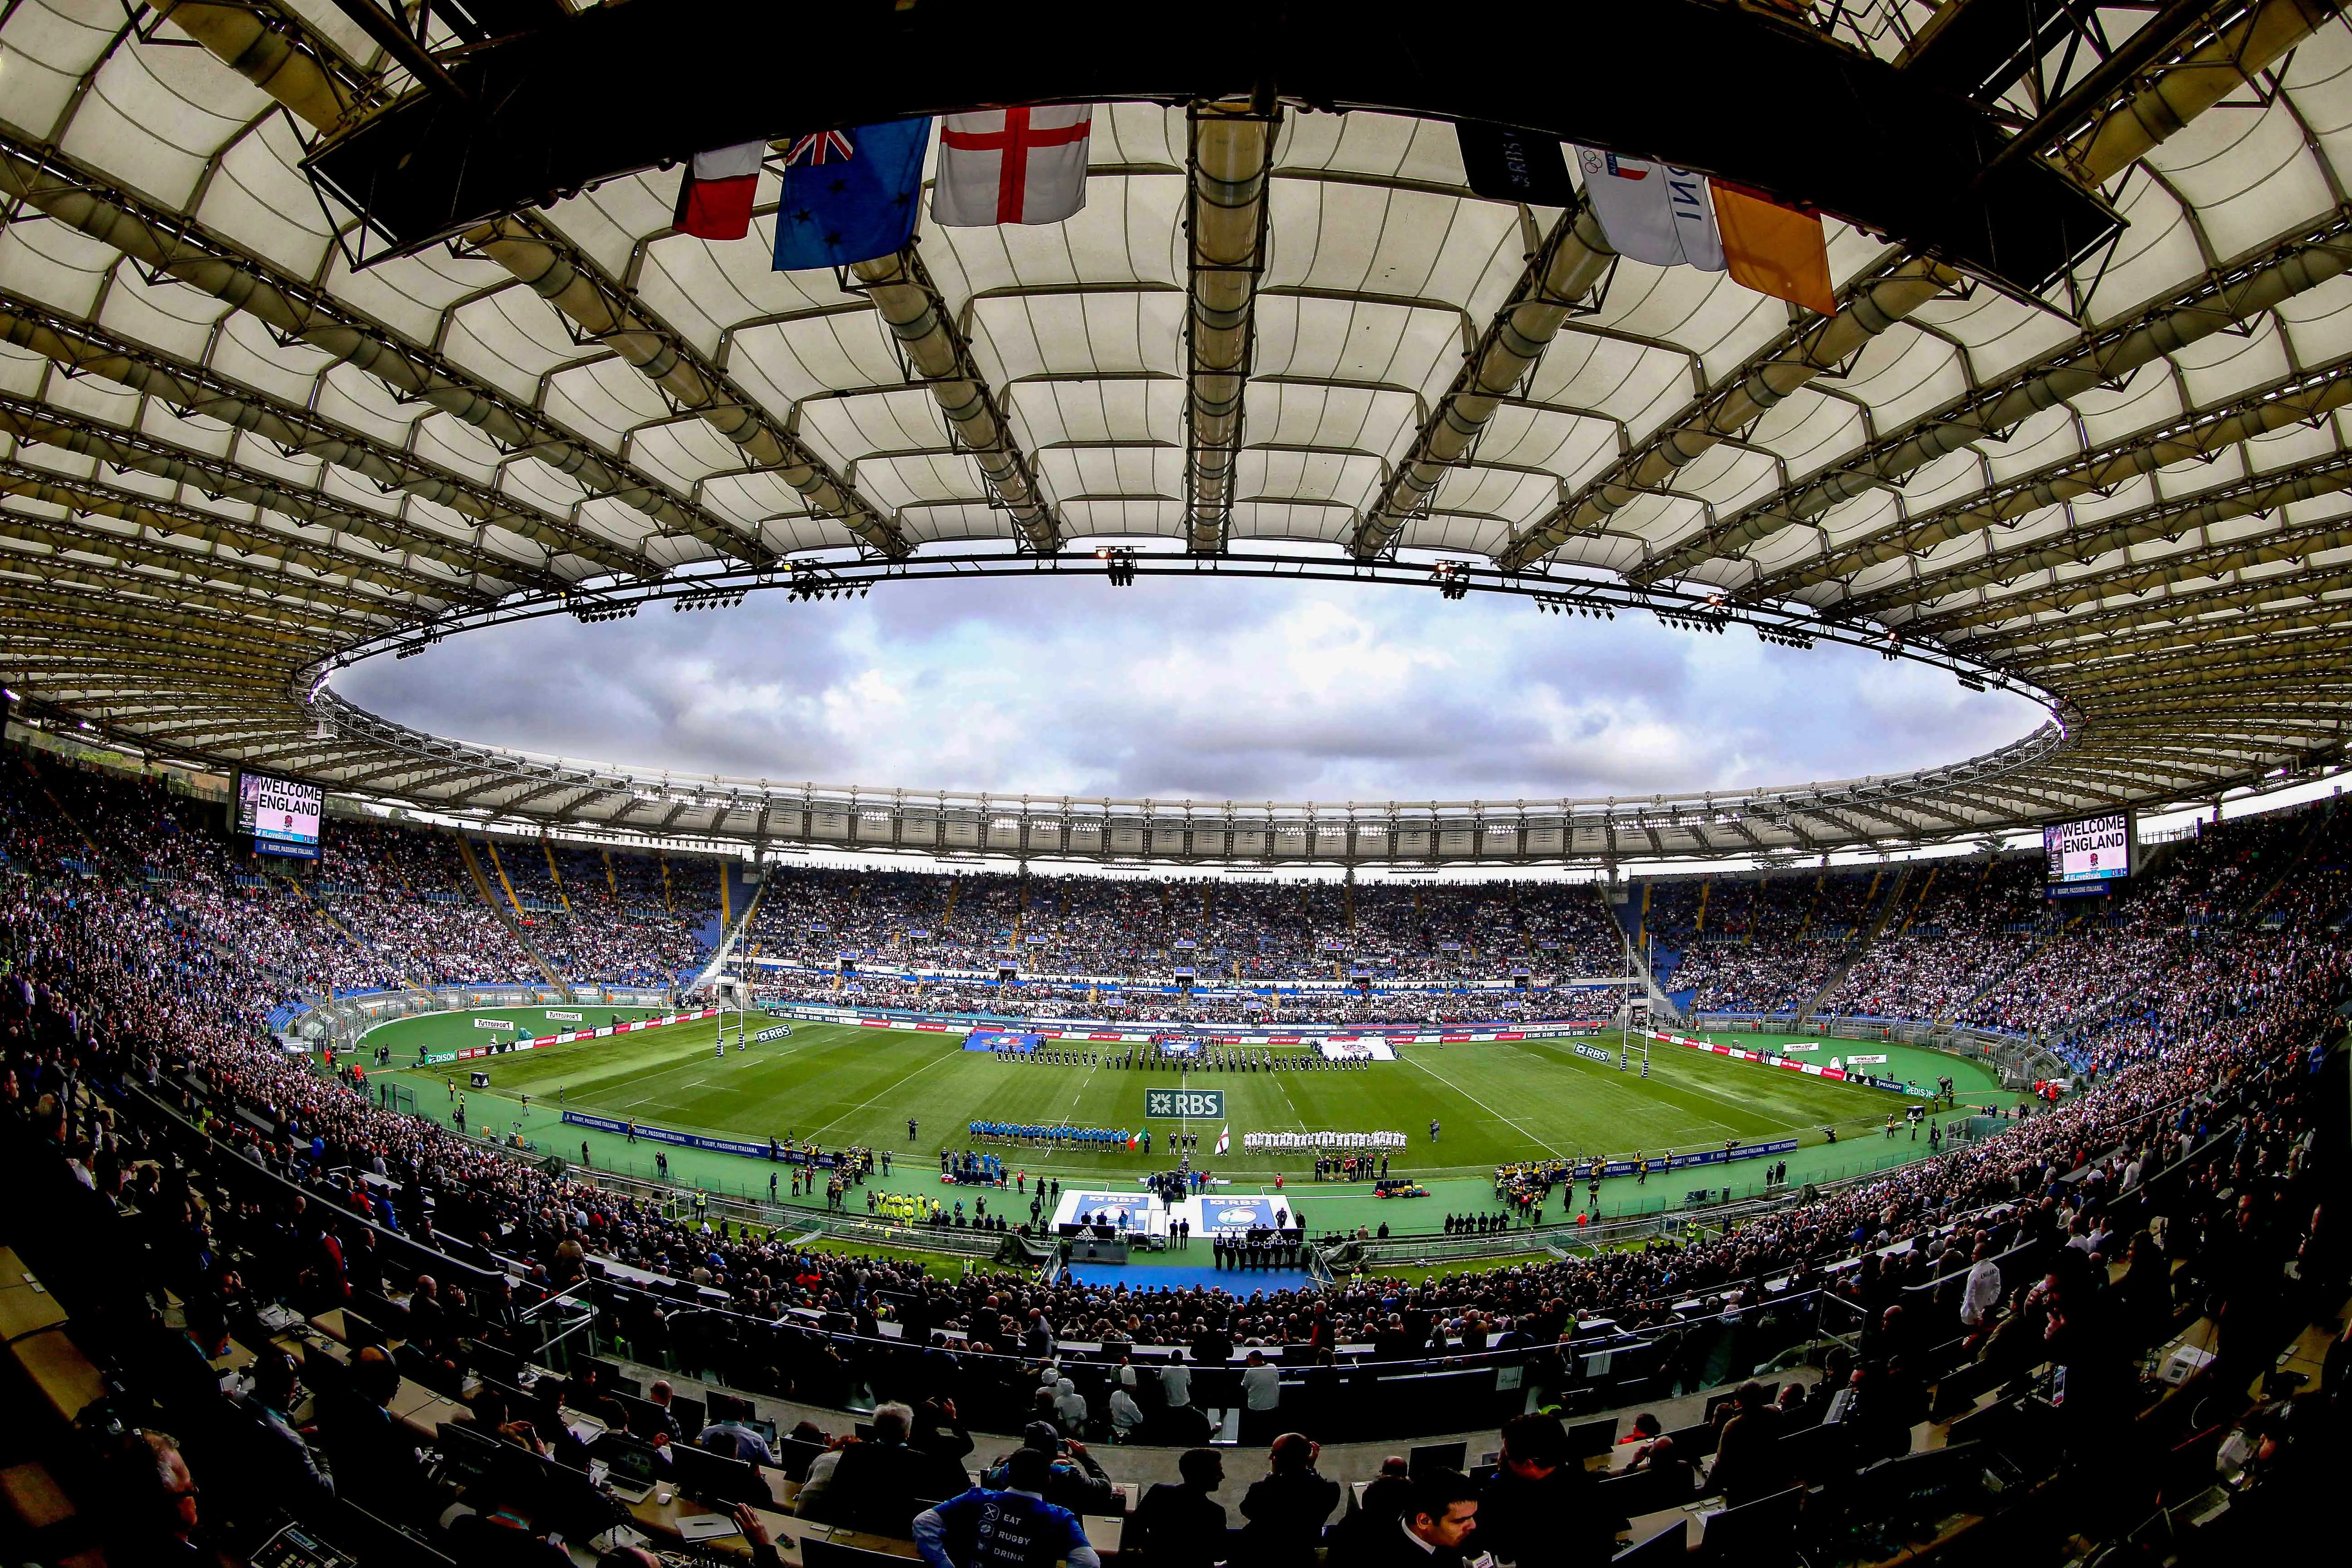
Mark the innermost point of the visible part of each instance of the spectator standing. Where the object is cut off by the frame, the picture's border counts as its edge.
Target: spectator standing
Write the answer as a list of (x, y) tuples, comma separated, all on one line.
[(1747, 1464), (1126, 1415), (1261, 1399), (1176, 1381), (1182, 1525), (1982, 1292), (1286, 1508), (1540, 1509)]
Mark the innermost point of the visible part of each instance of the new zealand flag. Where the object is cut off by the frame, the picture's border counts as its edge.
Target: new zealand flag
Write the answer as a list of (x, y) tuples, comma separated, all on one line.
[(850, 196)]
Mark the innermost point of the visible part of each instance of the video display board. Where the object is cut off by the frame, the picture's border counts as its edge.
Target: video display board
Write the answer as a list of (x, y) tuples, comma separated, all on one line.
[(2088, 852), (281, 815)]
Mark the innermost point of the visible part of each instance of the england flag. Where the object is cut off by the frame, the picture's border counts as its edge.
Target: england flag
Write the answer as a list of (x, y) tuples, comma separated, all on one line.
[(1224, 1140), (1012, 165)]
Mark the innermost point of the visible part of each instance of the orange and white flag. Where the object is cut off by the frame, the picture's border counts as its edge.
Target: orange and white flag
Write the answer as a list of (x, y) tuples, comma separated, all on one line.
[(1774, 250), (1670, 217)]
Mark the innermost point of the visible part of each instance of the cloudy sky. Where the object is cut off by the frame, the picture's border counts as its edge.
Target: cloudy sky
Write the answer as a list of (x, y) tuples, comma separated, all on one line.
[(1187, 689)]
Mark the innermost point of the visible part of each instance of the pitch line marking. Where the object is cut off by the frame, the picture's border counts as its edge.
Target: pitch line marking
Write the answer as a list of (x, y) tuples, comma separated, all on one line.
[(1290, 1103), (1478, 1102), (658, 1069), (649, 1071), (1082, 1083), (652, 1070), (885, 1094), (1633, 1096)]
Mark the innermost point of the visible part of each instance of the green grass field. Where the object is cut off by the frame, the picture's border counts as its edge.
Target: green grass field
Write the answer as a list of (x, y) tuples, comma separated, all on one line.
[(461, 1031), (839, 1084)]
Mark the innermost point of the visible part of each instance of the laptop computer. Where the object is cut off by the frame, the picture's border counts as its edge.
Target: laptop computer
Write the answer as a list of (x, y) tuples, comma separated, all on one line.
[(629, 1469), (706, 1527), (1426, 1457)]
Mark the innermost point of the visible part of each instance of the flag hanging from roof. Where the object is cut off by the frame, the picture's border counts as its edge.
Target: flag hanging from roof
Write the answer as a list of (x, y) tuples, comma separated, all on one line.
[(850, 196), (1774, 250), (1224, 1140), (1652, 212), (1505, 164), (1012, 165), (1669, 217), (714, 196)]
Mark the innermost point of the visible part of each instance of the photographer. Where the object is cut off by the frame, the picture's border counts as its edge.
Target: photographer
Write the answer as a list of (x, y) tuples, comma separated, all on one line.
[(1074, 1481)]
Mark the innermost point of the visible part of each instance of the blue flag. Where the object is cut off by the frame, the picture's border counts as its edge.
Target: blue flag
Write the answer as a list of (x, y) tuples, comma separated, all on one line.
[(850, 196)]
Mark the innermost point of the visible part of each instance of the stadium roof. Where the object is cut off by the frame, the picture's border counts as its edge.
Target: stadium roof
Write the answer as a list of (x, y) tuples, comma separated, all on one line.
[(246, 436)]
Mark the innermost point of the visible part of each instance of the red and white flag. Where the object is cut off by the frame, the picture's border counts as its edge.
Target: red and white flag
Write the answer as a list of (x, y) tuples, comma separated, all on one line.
[(714, 199), (1012, 165), (1224, 1140)]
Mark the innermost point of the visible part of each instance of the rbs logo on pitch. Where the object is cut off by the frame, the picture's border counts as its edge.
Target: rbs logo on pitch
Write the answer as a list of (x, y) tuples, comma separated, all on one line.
[(1205, 1103)]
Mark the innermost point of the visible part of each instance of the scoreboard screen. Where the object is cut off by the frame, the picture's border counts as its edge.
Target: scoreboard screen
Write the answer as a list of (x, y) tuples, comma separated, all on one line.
[(2089, 851), (282, 816)]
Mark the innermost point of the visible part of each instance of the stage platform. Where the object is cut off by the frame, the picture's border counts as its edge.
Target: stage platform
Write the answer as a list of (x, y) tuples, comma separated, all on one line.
[(1211, 1212), (1143, 1212)]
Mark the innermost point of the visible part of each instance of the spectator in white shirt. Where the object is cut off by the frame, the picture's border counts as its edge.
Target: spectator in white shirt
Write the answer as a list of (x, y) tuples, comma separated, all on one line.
[(1126, 1415), (1176, 1381), (1069, 1407), (1982, 1293), (1261, 1399)]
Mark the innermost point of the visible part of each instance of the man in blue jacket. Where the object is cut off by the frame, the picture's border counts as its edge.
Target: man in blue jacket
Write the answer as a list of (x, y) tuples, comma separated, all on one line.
[(1015, 1528)]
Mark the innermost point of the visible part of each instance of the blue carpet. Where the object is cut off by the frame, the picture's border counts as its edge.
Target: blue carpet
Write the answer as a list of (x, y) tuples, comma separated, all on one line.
[(1185, 1276)]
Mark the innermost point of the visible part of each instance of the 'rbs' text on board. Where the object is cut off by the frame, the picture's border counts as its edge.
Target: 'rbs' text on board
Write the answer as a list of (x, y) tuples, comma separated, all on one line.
[(1205, 1104)]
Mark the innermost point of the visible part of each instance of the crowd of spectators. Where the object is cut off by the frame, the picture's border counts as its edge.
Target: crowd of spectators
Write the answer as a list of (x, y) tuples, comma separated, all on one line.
[(383, 907), (107, 981), (405, 895), (616, 917), (116, 961), (1217, 929), (1969, 940), (1040, 999), (1954, 927), (2113, 969)]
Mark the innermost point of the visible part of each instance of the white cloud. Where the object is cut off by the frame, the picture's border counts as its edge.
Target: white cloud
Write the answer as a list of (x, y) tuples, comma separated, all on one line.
[(1211, 691)]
